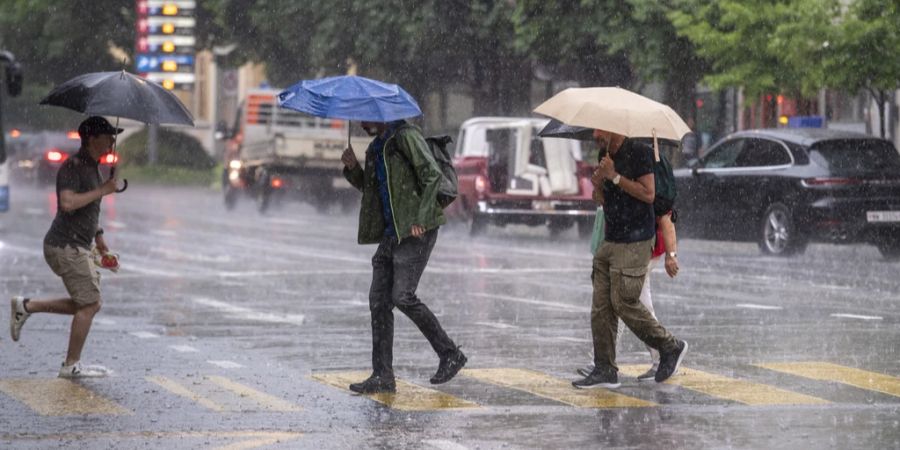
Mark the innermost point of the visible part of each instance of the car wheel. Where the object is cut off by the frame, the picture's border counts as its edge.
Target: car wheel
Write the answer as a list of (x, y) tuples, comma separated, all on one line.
[(477, 224), (779, 235), (890, 249)]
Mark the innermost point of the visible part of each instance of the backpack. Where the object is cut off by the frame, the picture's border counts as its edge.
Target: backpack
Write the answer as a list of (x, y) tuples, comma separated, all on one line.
[(665, 183), (449, 188)]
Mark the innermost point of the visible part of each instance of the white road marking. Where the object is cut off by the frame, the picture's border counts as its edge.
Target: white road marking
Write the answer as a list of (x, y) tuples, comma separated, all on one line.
[(754, 306), (443, 444), (144, 334), (165, 233), (104, 321), (116, 224), (529, 301), (240, 312), (184, 348), (498, 325), (857, 316), (571, 339), (226, 364)]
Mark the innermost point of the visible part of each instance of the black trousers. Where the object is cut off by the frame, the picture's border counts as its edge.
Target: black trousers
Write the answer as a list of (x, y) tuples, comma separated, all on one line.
[(396, 270)]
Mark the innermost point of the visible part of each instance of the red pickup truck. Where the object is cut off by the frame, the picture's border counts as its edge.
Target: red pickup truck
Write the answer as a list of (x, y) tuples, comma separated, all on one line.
[(509, 175)]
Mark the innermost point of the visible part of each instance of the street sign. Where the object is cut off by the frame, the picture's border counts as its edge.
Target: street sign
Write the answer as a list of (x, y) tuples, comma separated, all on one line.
[(165, 44), (155, 62)]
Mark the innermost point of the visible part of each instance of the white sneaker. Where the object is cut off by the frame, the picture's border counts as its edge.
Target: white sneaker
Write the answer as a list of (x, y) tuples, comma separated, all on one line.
[(17, 316), (78, 371)]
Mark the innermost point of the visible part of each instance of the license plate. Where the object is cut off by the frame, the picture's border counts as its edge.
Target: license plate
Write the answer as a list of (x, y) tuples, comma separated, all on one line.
[(883, 216), (542, 205)]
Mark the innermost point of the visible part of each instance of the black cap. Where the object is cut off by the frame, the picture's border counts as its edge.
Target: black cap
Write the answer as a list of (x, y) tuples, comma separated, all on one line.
[(95, 126)]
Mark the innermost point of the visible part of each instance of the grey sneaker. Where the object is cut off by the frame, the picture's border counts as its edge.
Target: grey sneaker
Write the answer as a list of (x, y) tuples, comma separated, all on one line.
[(649, 375), (17, 316), (78, 371)]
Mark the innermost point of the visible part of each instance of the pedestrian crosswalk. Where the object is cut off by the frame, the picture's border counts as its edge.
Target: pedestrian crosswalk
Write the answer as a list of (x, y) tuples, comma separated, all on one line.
[(474, 388)]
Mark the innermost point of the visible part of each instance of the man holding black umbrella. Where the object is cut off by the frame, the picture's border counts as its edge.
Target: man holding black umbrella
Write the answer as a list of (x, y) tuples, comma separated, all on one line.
[(67, 245), (401, 214)]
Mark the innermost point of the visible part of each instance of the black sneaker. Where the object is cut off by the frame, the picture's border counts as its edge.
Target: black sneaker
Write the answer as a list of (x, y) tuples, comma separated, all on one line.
[(669, 361), (599, 379), (374, 385), (586, 370), (449, 367)]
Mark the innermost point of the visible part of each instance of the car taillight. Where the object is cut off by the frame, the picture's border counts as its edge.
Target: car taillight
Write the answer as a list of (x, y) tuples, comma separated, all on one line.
[(56, 156), (829, 181), (109, 159), (480, 184), (276, 183)]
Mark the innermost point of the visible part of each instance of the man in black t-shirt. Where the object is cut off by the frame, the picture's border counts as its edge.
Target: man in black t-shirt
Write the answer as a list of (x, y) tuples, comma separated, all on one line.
[(626, 185), (67, 245)]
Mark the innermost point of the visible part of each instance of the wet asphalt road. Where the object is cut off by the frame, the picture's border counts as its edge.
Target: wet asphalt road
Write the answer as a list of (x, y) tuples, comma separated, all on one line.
[(231, 330)]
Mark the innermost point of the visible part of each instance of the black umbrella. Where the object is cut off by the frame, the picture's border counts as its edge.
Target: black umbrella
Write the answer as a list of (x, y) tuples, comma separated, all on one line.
[(120, 94), (557, 129)]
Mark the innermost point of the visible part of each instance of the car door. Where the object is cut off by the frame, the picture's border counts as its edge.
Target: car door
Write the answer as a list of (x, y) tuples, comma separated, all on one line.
[(706, 195), (757, 179)]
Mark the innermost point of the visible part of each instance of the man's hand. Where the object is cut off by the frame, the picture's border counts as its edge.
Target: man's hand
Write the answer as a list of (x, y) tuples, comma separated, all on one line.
[(607, 168), (349, 158), (417, 231), (109, 186), (101, 244), (671, 265)]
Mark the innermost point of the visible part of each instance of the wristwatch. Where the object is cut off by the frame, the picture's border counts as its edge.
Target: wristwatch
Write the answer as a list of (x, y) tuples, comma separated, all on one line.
[(672, 254), (99, 232), (616, 179)]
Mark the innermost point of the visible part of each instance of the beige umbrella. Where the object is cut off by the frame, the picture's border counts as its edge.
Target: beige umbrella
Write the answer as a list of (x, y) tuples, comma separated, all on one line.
[(614, 109)]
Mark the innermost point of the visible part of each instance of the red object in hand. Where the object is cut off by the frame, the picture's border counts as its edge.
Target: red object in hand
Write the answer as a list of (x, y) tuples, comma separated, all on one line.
[(109, 261)]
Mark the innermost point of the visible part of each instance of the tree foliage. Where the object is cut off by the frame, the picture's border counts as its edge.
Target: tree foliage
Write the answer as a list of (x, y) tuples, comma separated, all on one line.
[(57, 40)]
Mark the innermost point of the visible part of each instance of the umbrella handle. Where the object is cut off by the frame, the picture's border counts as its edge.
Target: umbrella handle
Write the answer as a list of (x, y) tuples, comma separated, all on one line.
[(112, 173)]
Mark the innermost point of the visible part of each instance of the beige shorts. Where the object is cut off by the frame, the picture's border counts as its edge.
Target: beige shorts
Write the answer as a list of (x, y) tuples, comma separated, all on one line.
[(77, 270)]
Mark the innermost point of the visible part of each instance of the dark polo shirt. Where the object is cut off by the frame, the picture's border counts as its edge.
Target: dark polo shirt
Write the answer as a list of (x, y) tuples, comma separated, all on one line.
[(627, 218), (79, 174)]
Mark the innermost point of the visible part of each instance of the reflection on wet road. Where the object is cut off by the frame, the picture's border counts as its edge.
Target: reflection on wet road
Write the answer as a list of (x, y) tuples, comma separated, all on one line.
[(231, 330)]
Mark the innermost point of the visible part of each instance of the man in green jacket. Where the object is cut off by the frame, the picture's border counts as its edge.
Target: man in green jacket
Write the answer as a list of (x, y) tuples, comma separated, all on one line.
[(400, 213)]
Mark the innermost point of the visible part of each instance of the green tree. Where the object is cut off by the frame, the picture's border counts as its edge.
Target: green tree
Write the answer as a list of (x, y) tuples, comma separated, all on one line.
[(863, 52), (57, 40), (608, 42)]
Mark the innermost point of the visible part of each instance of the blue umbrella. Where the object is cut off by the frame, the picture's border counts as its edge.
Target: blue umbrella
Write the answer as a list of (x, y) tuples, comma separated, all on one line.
[(350, 97)]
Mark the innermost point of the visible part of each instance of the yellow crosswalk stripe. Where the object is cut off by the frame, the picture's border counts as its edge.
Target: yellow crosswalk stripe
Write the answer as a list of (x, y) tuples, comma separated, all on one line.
[(553, 388), (221, 394), (177, 389), (741, 391), (825, 371), (265, 400), (59, 397), (409, 397)]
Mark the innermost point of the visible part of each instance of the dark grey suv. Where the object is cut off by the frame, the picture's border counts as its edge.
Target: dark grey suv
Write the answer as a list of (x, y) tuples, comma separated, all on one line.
[(785, 187)]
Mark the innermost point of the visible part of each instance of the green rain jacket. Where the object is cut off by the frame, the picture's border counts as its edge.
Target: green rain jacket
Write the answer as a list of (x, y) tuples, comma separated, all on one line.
[(413, 181)]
